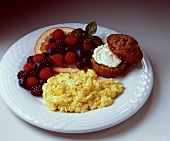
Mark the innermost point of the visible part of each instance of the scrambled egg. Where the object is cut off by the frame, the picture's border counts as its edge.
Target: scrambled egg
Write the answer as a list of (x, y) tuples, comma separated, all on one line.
[(80, 92)]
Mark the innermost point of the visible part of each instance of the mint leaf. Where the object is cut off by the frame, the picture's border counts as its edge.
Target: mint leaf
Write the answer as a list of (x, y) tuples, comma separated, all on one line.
[(91, 28), (97, 40)]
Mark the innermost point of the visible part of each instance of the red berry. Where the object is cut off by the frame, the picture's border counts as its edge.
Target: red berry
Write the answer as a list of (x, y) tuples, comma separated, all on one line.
[(71, 40), (70, 57), (87, 45), (28, 66), (31, 81), (36, 90), (58, 34), (73, 32), (45, 73), (37, 58), (50, 45), (57, 59)]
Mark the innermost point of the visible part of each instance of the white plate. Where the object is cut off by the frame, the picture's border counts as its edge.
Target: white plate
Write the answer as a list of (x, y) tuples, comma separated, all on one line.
[(138, 81)]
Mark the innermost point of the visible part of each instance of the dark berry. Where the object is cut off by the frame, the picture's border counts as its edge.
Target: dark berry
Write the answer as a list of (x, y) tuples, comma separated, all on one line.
[(20, 74), (36, 90), (41, 81), (80, 65), (22, 82), (52, 40), (46, 54), (30, 60), (80, 53), (38, 66), (77, 47), (34, 73), (52, 51), (47, 62), (26, 74), (86, 61), (59, 42), (68, 49)]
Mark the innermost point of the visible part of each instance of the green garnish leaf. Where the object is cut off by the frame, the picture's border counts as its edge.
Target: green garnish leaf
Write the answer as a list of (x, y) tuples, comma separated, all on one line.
[(79, 33), (91, 28), (97, 40)]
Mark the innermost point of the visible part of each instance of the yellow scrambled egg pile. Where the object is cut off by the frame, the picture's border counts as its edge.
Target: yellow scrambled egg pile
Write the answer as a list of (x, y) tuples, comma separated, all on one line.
[(80, 92)]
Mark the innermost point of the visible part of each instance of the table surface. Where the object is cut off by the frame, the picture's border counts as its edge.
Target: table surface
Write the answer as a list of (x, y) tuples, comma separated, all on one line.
[(147, 21)]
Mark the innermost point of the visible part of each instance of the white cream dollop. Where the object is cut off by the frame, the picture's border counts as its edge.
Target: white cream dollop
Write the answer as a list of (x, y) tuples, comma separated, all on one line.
[(103, 55)]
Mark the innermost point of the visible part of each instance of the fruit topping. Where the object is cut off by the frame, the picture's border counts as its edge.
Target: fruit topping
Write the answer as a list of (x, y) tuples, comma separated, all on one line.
[(58, 34), (45, 73), (28, 66), (36, 90), (50, 45), (71, 40), (31, 81), (70, 57), (38, 58), (56, 59)]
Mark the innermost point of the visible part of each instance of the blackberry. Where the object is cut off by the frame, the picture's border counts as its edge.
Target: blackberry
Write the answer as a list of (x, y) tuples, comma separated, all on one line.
[(47, 62), (20, 74), (26, 74), (30, 60), (34, 73), (59, 42), (36, 90)]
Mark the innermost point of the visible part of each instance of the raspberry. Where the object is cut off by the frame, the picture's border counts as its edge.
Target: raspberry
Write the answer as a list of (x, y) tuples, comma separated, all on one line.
[(28, 66), (38, 58), (50, 45), (36, 90), (45, 73), (30, 60), (71, 40), (58, 34), (70, 57), (31, 81), (56, 59)]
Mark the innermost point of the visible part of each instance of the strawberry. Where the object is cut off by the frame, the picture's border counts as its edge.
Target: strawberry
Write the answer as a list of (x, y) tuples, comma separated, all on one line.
[(71, 40), (70, 57), (28, 66), (37, 58), (31, 81), (58, 34), (50, 45), (57, 59), (45, 73)]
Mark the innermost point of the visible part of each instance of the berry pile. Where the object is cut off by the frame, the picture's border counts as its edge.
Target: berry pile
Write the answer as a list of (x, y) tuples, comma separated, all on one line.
[(75, 48), (35, 73)]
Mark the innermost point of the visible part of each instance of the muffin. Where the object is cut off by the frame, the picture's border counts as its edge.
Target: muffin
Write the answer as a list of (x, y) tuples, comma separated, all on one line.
[(113, 59)]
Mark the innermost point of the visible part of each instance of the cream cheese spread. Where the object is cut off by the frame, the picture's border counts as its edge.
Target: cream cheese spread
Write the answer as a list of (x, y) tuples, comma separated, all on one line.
[(103, 55)]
